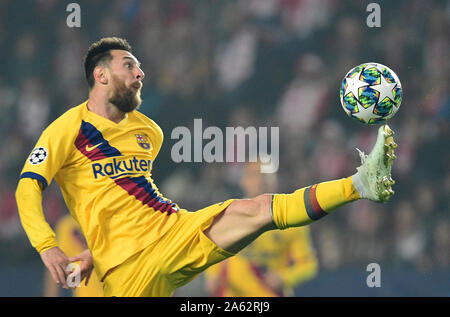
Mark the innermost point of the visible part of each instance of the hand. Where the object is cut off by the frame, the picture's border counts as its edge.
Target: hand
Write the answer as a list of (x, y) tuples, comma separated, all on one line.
[(86, 265), (56, 262)]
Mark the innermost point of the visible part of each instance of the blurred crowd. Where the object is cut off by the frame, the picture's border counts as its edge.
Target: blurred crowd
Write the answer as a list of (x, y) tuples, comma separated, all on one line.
[(261, 63)]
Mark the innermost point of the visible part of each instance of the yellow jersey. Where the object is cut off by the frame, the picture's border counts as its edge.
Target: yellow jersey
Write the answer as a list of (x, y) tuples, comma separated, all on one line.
[(104, 171)]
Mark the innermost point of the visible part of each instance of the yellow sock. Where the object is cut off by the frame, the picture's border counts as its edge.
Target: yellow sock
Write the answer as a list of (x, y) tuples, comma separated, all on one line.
[(309, 204)]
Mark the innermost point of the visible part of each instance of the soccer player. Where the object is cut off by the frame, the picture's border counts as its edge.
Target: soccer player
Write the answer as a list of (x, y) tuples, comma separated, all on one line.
[(274, 263), (101, 154)]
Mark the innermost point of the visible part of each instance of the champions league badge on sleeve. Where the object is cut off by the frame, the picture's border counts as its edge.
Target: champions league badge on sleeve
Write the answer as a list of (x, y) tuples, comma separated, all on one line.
[(143, 141), (38, 155)]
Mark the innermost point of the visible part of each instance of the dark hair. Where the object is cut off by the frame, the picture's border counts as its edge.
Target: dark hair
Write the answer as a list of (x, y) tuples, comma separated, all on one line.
[(99, 52)]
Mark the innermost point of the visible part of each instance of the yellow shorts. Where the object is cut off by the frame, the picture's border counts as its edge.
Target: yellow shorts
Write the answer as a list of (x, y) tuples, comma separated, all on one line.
[(172, 261)]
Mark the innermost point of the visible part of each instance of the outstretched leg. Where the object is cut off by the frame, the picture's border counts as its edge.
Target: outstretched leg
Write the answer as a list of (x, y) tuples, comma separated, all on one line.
[(245, 219)]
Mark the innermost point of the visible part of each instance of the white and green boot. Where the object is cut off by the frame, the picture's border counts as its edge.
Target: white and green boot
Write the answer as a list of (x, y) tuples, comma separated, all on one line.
[(373, 180)]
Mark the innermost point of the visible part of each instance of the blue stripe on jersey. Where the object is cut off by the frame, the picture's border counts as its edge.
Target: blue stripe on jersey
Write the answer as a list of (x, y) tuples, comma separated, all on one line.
[(123, 174), (95, 137), (35, 176), (142, 182)]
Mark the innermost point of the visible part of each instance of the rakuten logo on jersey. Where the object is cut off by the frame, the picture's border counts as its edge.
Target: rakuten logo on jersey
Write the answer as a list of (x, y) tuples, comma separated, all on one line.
[(117, 167)]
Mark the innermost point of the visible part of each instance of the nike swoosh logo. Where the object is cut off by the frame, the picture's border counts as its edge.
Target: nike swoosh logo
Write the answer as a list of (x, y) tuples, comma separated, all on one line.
[(90, 148)]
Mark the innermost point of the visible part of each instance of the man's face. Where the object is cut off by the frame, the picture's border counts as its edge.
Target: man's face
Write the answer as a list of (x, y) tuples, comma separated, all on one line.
[(125, 77)]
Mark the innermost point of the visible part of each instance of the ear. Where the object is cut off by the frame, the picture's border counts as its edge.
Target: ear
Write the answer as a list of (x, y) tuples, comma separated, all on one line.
[(100, 74)]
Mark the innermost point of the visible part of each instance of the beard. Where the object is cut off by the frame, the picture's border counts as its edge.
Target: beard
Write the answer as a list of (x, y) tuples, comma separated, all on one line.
[(125, 98)]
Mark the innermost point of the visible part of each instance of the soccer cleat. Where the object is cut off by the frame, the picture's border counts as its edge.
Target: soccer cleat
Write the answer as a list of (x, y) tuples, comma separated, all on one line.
[(373, 180)]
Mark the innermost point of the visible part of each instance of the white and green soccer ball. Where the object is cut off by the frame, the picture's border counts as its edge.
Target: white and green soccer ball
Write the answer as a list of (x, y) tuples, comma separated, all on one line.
[(371, 93)]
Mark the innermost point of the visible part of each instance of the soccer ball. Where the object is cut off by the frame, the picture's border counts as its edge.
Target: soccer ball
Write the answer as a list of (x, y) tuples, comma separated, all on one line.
[(371, 93)]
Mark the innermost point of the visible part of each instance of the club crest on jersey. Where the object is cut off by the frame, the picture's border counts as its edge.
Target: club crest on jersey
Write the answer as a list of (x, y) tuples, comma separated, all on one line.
[(143, 141)]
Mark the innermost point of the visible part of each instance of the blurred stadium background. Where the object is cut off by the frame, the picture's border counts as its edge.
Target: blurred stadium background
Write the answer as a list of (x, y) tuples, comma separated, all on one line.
[(251, 63)]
